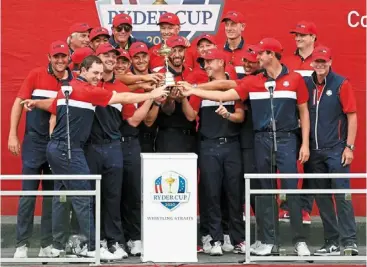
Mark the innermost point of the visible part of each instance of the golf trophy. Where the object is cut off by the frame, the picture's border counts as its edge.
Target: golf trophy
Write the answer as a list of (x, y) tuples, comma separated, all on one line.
[(169, 79), (160, 2)]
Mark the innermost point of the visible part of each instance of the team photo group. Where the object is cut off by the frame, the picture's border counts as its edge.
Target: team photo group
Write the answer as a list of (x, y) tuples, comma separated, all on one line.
[(106, 97)]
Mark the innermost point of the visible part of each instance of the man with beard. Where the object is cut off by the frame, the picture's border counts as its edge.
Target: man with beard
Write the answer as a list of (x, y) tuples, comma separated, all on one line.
[(171, 120), (41, 83), (291, 94), (219, 160), (85, 96)]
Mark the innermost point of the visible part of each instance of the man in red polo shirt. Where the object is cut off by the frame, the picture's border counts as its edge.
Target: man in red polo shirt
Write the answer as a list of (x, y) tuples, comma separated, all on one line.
[(169, 25), (268, 105), (234, 25)]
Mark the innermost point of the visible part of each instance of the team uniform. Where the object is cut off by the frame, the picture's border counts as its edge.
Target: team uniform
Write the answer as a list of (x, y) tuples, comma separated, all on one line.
[(220, 170), (176, 127), (82, 104), (290, 91), (328, 104), (41, 83), (234, 58), (104, 156)]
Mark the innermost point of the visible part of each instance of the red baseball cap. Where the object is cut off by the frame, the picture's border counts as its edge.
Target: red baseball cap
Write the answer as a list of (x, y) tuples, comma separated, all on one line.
[(124, 53), (79, 27), (235, 16), (80, 54), (305, 27), (208, 37), (268, 44), (321, 52), (214, 54), (138, 47), (122, 19), (174, 41), (249, 53), (105, 48), (95, 32), (59, 47), (169, 18)]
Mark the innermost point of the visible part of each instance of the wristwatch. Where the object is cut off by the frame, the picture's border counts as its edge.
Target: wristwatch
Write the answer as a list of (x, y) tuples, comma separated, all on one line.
[(155, 103), (227, 115), (351, 147)]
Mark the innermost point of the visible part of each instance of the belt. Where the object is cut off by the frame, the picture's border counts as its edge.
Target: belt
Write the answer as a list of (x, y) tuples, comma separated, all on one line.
[(221, 140), (146, 135), (125, 139), (180, 130), (102, 141), (34, 134)]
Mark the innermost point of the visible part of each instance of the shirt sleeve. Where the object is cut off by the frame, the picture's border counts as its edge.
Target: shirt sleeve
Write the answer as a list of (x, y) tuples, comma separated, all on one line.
[(25, 91), (53, 108), (347, 98), (99, 96), (302, 91), (242, 89), (128, 111), (195, 102), (239, 104)]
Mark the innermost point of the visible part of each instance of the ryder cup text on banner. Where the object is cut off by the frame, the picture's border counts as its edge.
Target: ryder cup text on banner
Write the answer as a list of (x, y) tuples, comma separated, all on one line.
[(356, 20), (145, 17)]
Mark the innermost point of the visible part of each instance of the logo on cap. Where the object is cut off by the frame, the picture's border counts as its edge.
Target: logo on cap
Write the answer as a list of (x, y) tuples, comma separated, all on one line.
[(145, 16), (301, 26)]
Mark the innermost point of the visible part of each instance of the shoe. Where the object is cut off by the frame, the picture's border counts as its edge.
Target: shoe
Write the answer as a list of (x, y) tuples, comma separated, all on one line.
[(351, 249), (255, 245), (264, 250), (328, 249), (21, 252), (301, 249), (227, 245), (306, 218), (206, 243), (283, 215), (240, 248), (104, 244), (199, 249), (134, 247), (105, 255), (118, 251), (216, 249), (47, 252)]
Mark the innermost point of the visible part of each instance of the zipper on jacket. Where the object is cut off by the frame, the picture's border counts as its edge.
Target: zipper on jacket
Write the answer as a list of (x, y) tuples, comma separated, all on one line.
[(317, 110)]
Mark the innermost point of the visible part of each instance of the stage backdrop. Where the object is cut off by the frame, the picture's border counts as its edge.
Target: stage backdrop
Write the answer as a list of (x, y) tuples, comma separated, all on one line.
[(28, 27)]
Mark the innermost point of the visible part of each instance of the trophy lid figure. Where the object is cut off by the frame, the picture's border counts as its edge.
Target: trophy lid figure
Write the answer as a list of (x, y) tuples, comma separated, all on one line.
[(160, 2)]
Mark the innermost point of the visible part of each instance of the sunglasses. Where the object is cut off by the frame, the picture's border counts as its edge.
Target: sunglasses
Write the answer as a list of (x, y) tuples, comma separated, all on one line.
[(125, 27)]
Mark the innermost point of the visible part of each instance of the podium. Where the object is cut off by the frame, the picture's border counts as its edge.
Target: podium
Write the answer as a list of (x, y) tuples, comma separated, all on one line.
[(169, 207)]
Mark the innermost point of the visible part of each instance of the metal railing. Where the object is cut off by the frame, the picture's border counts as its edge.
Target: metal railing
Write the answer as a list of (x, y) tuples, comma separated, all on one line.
[(249, 191), (96, 193)]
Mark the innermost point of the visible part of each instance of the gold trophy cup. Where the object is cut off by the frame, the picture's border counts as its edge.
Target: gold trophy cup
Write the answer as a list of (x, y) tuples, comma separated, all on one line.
[(170, 181), (160, 2), (165, 51)]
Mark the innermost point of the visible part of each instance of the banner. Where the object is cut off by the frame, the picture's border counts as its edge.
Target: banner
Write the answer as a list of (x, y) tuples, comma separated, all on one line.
[(28, 28)]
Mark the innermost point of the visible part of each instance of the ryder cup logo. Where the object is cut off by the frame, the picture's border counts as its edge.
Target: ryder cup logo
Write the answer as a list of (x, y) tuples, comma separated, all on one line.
[(196, 16), (170, 189)]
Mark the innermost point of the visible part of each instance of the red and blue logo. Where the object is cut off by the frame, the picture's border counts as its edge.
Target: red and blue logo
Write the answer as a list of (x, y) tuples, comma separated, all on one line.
[(196, 16)]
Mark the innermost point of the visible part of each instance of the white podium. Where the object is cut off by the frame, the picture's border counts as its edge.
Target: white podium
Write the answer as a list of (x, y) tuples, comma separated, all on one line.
[(169, 207)]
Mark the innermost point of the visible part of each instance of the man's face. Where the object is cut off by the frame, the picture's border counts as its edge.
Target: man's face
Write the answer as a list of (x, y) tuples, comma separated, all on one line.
[(79, 39), (122, 33), (233, 30), (250, 67), (109, 61), (321, 67), (204, 45), (304, 40), (140, 61), (102, 39), (213, 66), (265, 58), (122, 65), (94, 74), (59, 62), (167, 30), (177, 56)]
